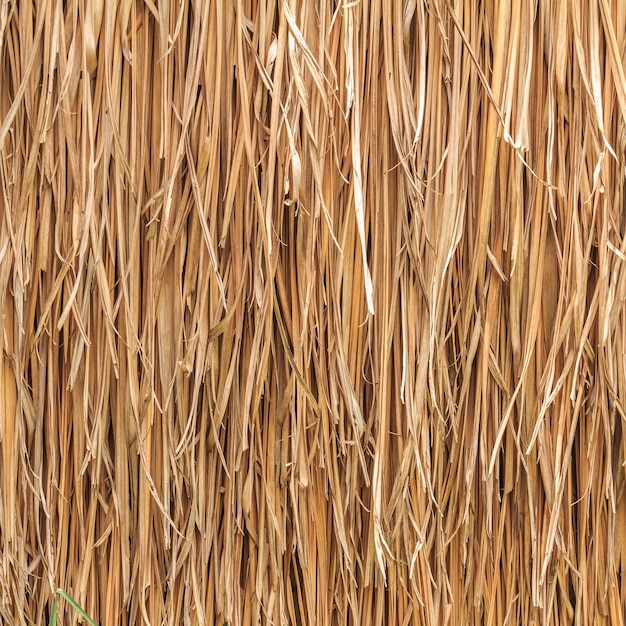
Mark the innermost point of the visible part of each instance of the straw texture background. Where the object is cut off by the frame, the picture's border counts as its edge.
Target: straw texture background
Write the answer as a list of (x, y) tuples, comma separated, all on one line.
[(313, 312)]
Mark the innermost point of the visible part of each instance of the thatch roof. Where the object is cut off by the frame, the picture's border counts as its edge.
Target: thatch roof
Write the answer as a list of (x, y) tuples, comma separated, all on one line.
[(313, 312)]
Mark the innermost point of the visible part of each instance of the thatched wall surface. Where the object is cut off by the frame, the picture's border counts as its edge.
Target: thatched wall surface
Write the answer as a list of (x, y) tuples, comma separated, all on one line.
[(313, 312)]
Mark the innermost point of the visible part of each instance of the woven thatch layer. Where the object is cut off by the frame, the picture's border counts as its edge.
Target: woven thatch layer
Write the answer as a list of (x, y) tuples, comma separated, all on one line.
[(313, 312)]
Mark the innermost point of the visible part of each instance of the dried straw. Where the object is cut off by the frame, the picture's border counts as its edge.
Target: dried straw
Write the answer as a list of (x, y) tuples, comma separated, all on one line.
[(313, 312)]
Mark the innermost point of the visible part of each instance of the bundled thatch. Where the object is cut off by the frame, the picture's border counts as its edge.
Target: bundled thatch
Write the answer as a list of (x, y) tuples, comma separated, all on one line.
[(313, 312)]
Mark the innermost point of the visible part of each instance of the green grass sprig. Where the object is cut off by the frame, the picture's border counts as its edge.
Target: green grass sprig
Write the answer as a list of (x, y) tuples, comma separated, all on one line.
[(66, 596)]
